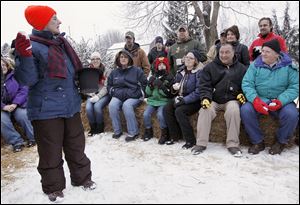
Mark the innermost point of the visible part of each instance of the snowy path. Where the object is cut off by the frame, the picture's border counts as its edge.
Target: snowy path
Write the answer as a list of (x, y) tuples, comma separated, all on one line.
[(145, 172)]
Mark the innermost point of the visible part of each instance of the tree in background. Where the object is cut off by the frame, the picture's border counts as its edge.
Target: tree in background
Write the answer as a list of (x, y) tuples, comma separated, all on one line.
[(5, 49), (178, 13), (288, 32), (151, 14)]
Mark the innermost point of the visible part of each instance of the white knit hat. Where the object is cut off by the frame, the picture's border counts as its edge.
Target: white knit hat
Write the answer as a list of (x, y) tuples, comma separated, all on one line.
[(95, 55)]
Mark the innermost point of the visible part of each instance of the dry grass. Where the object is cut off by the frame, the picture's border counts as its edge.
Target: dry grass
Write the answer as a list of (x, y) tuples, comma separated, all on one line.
[(11, 161)]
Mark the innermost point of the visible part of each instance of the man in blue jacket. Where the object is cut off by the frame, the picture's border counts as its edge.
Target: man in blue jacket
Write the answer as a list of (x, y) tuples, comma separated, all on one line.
[(271, 85), (48, 64)]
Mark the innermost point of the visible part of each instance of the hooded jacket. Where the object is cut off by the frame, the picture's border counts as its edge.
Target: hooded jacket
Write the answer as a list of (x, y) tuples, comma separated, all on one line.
[(125, 83), (280, 82), (13, 92), (139, 58)]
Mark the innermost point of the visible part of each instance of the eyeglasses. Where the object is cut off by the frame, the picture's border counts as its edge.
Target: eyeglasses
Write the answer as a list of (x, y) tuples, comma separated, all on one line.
[(95, 59)]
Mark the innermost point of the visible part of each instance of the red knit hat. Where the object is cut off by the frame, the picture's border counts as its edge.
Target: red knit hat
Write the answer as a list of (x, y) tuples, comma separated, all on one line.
[(39, 16), (163, 60)]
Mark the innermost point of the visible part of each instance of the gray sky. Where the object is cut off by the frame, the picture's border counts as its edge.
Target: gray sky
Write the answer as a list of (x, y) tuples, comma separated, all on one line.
[(90, 18), (83, 18)]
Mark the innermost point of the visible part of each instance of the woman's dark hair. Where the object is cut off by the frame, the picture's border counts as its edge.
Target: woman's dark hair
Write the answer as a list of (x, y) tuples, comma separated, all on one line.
[(127, 54), (235, 30)]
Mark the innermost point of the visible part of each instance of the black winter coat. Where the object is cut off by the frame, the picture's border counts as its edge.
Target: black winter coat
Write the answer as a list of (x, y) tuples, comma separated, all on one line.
[(221, 83)]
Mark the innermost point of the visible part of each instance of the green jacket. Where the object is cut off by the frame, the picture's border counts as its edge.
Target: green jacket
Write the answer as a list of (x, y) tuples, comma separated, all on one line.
[(280, 82), (160, 97)]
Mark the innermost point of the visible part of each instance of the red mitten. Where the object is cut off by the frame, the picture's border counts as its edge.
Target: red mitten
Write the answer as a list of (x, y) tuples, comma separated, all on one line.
[(260, 106), (275, 105), (23, 45)]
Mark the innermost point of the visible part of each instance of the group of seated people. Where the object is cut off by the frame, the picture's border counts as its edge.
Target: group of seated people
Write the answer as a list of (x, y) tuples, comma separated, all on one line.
[(268, 86)]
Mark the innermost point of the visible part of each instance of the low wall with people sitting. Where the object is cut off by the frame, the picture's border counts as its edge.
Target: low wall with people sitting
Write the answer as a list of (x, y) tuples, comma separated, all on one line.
[(268, 125)]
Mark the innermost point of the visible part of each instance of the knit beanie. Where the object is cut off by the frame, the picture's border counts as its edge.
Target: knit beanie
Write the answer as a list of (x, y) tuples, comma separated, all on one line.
[(95, 55), (130, 34), (159, 39), (39, 16), (163, 60), (273, 44), (197, 54)]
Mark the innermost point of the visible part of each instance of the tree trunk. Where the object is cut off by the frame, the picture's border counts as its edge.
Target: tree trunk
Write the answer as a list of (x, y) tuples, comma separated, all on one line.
[(209, 25)]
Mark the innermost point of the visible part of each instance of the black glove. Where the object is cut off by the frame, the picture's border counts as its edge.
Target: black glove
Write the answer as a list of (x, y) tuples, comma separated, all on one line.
[(178, 101), (150, 82), (157, 83), (255, 53)]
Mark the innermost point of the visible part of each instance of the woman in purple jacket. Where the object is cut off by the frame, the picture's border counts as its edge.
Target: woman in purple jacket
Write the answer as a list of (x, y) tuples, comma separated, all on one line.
[(13, 103)]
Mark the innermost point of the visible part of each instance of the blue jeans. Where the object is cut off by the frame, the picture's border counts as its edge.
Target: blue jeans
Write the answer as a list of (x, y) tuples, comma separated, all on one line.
[(94, 111), (128, 107), (147, 116), (288, 119), (11, 136)]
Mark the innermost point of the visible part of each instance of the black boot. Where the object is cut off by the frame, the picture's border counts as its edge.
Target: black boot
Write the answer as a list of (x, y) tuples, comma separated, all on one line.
[(92, 131), (164, 136), (148, 134), (99, 128)]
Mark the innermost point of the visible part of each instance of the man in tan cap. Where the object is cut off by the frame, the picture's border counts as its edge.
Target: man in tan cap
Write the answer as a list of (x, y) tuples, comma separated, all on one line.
[(140, 58), (184, 44)]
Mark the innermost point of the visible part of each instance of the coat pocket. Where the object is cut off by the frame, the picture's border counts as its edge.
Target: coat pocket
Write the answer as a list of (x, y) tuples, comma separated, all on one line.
[(55, 102)]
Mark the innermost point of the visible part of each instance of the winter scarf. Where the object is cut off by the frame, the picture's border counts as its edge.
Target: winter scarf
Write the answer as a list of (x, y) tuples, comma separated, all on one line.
[(56, 62)]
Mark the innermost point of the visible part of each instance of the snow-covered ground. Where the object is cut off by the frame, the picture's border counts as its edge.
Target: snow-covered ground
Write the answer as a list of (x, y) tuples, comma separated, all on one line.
[(145, 172)]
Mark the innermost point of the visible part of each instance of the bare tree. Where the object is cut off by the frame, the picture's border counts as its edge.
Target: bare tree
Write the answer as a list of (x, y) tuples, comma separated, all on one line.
[(109, 38), (5, 49), (150, 14), (208, 17), (147, 14)]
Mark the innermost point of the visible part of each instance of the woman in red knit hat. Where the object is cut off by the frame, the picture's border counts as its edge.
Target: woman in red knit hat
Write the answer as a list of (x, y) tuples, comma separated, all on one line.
[(48, 65)]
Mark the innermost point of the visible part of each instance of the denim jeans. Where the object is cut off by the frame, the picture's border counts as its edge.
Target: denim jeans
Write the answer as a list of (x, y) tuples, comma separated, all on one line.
[(8, 131), (288, 119), (147, 116), (94, 111), (128, 107)]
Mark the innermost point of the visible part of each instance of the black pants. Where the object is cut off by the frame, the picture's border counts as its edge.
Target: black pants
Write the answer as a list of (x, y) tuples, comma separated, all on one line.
[(178, 121), (54, 136)]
